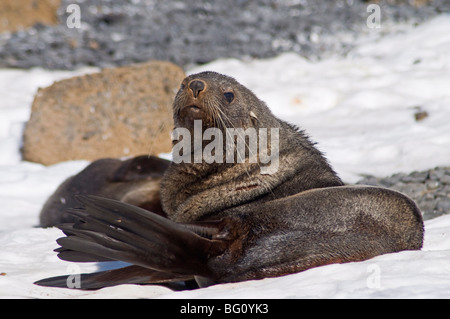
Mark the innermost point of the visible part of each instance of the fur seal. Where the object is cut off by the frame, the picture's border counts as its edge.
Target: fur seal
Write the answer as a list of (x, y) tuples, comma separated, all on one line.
[(229, 221), (135, 181)]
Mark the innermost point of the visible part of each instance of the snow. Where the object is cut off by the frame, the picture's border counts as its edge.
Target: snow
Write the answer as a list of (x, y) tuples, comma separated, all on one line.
[(359, 108)]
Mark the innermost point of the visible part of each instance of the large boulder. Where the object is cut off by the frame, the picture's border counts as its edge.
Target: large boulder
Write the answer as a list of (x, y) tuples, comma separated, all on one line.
[(125, 111)]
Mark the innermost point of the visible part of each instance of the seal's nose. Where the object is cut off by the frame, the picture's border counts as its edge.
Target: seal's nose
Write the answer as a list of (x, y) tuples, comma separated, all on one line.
[(196, 87)]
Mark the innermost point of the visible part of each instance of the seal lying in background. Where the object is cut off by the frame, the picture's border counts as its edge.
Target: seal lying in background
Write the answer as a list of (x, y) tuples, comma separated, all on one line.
[(135, 181), (229, 222)]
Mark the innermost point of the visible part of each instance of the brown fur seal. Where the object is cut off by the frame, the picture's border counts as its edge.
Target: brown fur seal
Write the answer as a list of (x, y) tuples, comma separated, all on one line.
[(231, 221)]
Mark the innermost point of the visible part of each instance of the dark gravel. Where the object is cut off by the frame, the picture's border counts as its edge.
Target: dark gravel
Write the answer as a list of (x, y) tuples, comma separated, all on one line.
[(119, 32)]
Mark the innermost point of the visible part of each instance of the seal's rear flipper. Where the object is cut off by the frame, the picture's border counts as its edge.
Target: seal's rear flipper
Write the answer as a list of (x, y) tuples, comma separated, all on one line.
[(113, 230), (114, 277)]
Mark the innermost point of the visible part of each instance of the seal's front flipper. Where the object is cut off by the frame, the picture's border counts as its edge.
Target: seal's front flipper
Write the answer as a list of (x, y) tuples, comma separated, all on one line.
[(113, 277), (113, 230)]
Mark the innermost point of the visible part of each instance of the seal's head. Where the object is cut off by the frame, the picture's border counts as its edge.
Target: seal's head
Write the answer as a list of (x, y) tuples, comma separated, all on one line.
[(218, 100)]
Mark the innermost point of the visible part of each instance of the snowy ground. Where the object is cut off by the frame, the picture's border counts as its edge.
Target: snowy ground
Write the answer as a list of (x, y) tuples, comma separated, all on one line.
[(361, 111)]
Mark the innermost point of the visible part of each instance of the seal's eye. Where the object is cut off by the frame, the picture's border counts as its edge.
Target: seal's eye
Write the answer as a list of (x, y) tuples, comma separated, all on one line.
[(229, 96)]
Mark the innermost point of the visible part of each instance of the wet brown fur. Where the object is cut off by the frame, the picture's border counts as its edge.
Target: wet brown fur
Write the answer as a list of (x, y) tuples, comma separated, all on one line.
[(229, 222)]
